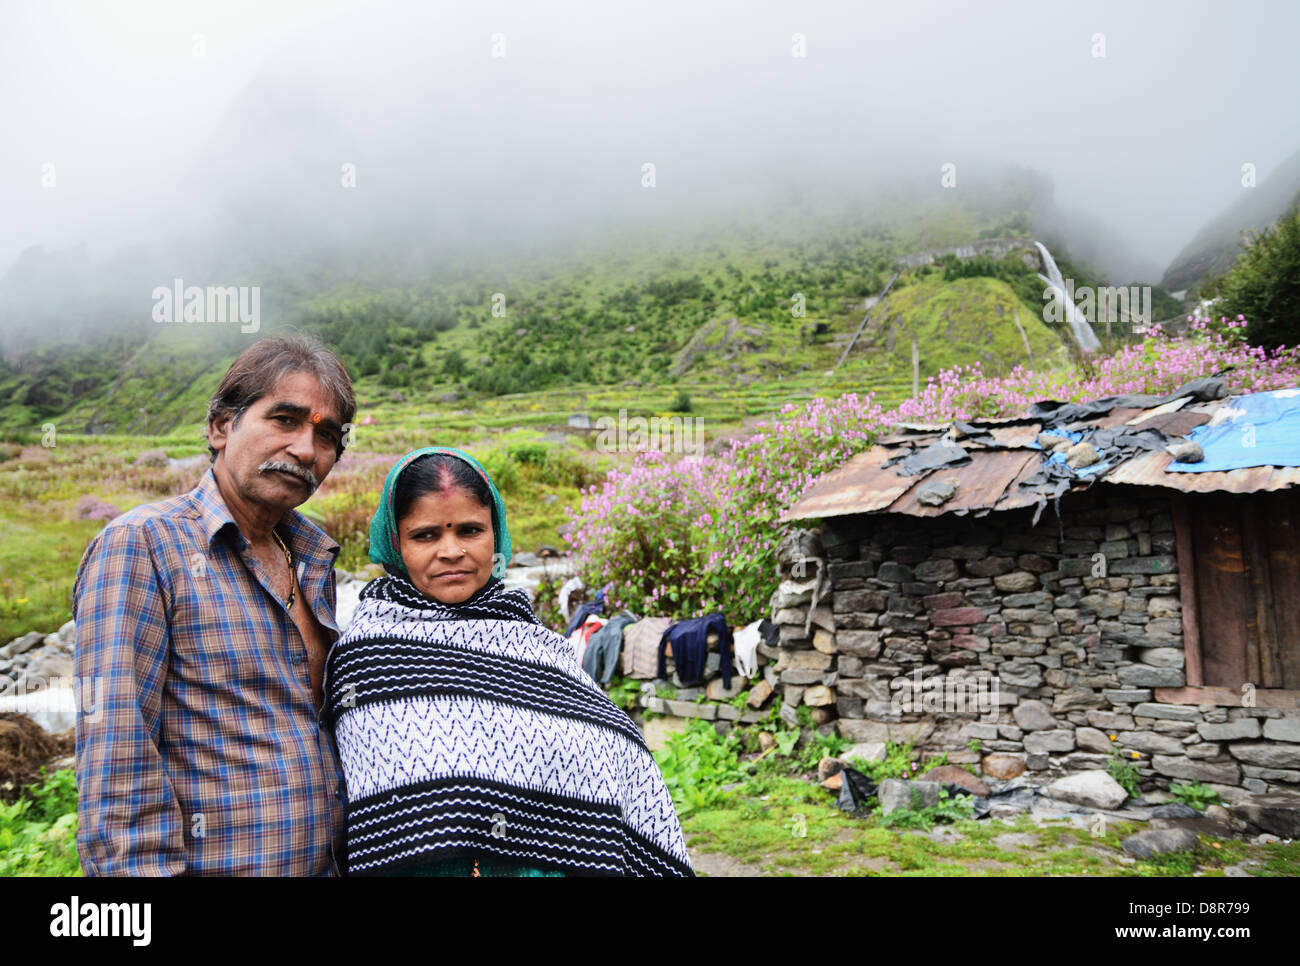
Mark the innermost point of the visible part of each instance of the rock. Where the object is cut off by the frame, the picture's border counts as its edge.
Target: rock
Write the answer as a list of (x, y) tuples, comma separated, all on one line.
[(525, 559), (1018, 581), (690, 709), (1242, 728), (717, 691), (827, 767), (867, 751), (68, 633), (935, 493), (1226, 773), (819, 696), (1146, 676), (932, 571), (759, 694), (20, 645), (1126, 695), (1033, 716), (1163, 657), (1002, 766), (49, 663), (766, 740), (957, 616), (1276, 812), (1143, 845), (1282, 729), (823, 640), (1174, 810), (1267, 755), (1094, 789), (1081, 454), (862, 731), (1173, 712), (1185, 451), (953, 775), (1090, 739), (895, 793), (1042, 742), (1150, 743)]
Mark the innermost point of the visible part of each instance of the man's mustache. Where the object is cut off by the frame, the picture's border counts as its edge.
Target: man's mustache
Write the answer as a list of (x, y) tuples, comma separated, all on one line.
[(304, 474)]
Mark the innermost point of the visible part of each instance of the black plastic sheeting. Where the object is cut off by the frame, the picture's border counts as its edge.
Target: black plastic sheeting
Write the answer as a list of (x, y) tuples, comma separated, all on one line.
[(1054, 413), (856, 790), (939, 453)]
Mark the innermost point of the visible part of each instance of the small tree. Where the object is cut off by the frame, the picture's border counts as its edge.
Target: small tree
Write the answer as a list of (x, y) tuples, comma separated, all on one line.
[(1264, 285)]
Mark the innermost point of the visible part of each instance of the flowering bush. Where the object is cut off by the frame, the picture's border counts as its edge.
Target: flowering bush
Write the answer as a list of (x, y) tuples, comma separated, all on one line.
[(680, 537)]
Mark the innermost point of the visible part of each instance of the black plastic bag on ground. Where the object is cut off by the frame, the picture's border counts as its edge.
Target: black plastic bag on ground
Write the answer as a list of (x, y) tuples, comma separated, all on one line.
[(856, 790)]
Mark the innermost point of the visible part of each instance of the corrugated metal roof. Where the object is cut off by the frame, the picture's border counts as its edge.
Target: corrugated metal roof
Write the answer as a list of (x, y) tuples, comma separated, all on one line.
[(991, 480), (980, 483), (1149, 470)]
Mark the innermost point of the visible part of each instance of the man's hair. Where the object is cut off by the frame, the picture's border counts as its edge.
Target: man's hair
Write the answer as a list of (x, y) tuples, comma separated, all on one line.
[(261, 366)]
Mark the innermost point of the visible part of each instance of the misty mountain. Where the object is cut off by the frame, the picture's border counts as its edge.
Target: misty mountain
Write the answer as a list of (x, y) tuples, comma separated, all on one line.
[(1217, 245)]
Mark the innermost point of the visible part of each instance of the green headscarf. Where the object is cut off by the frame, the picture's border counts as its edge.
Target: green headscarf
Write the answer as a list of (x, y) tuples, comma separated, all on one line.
[(383, 527)]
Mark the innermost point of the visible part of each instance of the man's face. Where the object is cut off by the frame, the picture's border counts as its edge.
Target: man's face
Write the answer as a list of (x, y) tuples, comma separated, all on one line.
[(284, 445)]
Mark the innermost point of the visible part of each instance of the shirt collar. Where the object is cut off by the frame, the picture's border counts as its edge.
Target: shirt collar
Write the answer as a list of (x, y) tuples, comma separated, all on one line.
[(307, 541)]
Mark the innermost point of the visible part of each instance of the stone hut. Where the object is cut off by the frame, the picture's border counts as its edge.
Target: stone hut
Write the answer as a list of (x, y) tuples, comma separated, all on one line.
[(974, 589)]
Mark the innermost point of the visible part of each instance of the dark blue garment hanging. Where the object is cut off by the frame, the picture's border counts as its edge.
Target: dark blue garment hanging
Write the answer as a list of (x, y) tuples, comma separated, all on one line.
[(690, 641)]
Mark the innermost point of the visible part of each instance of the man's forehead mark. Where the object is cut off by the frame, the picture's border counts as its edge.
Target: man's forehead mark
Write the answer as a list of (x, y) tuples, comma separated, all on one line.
[(305, 412)]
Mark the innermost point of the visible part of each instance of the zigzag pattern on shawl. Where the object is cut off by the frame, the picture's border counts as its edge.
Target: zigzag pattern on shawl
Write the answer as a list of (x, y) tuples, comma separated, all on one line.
[(393, 745), (445, 819), (460, 658)]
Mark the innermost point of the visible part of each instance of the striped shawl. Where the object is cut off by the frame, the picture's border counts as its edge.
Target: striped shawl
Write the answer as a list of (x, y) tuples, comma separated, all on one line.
[(471, 730)]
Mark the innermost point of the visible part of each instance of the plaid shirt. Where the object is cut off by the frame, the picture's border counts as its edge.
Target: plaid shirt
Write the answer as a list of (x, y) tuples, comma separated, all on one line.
[(203, 754)]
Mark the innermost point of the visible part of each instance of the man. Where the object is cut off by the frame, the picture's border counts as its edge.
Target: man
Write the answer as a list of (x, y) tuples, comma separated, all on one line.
[(208, 617)]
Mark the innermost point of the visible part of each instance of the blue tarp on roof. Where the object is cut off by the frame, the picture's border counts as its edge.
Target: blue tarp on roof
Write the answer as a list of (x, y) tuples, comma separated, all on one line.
[(1260, 429)]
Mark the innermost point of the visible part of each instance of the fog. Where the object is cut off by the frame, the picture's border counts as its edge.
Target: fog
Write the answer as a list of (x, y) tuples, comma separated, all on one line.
[(146, 140)]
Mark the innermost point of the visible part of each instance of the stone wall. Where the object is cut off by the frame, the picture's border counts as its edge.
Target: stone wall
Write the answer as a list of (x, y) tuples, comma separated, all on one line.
[(1043, 644)]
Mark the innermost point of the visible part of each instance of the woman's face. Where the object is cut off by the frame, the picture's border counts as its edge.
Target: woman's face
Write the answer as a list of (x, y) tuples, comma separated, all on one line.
[(446, 541)]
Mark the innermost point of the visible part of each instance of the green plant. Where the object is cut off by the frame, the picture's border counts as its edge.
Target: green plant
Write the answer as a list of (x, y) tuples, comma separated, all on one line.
[(949, 809), (740, 701), (1198, 795), (821, 746), (786, 740), (897, 763), (625, 692), (1123, 771), (665, 691), (974, 745), (696, 762), (38, 830)]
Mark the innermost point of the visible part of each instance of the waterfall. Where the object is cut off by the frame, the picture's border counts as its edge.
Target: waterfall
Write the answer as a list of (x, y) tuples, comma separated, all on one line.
[(1079, 326)]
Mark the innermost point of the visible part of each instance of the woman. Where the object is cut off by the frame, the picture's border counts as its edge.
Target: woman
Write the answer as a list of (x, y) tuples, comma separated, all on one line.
[(471, 741)]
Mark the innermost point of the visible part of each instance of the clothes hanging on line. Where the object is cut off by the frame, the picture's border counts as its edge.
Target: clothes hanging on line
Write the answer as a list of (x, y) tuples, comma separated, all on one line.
[(605, 647), (641, 647), (690, 643), (570, 585), (581, 638), (595, 606), (746, 644)]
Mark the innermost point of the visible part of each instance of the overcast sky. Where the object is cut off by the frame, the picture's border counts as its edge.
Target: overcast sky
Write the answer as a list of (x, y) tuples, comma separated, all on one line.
[(132, 123)]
